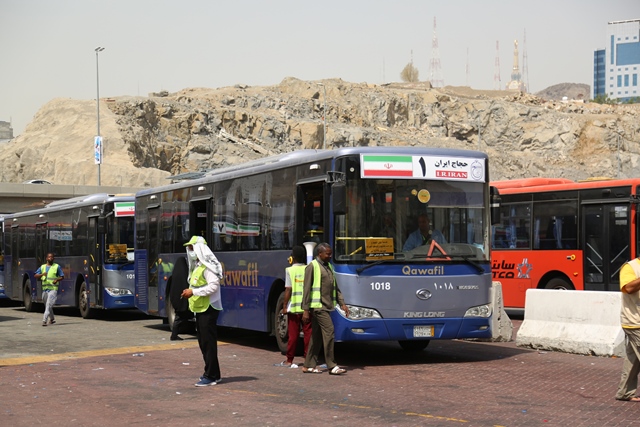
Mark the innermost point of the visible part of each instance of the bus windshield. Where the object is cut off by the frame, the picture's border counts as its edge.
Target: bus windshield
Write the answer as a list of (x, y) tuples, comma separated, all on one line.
[(408, 219), (119, 239)]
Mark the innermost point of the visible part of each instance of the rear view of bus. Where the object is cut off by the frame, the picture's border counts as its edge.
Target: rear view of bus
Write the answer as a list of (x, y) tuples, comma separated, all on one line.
[(411, 245)]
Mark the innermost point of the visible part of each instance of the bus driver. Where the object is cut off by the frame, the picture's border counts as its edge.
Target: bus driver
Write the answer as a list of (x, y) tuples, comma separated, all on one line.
[(423, 235)]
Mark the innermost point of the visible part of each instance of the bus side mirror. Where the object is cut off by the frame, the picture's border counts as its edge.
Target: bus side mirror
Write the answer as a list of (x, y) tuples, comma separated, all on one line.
[(495, 205), (339, 190), (102, 225)]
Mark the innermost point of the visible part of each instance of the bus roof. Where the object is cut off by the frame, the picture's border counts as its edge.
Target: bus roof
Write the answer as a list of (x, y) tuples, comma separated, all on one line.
[(91, 199), (538, 185), (297, 157)]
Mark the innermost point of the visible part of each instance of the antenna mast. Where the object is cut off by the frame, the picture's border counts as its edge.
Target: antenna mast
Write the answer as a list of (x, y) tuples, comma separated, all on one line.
[(435, 70)]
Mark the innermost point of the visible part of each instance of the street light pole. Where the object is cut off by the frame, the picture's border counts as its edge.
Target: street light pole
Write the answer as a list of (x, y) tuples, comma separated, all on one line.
[(98, 139), (324, 116)]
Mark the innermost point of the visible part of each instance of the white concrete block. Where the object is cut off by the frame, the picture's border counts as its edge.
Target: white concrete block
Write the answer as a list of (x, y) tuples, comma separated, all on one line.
[(580, 322)]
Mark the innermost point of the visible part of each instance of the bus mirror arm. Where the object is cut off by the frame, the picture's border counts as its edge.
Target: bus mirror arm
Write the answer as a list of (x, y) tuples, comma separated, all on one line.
[(495, 205), (339, 198), (102, 225)]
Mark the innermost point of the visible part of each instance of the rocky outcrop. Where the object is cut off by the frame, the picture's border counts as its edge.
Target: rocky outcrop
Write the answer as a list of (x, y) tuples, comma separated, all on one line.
[(148, 139)]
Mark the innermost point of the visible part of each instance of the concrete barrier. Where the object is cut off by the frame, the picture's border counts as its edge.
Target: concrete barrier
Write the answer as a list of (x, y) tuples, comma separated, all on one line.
[(501, 326), (580, 322)]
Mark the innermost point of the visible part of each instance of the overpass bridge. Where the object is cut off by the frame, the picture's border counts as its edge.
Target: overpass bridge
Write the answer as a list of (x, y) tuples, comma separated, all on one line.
[(22, 197)]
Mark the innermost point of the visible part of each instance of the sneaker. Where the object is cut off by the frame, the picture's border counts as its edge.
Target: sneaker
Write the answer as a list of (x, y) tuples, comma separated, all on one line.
[(44, 323), (204, 382), (218, 381), (176, 338), (52, 322)]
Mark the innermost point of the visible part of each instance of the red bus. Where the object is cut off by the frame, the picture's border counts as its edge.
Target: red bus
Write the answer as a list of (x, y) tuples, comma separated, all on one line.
[(560, 234)]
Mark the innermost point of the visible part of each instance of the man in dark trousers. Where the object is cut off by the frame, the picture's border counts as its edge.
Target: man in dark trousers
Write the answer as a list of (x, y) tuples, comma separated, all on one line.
[(180, 305), (319, 298), (205, 278)]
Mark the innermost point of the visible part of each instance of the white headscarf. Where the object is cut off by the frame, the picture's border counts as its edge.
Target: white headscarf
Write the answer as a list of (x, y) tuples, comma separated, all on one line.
[(206, 257)]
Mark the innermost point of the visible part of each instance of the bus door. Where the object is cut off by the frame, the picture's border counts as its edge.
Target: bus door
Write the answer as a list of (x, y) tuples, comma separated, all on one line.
[(311, 220), (16, 280), (606, 244), (94, 273), (42, 247), (153, 264), (199, 218)]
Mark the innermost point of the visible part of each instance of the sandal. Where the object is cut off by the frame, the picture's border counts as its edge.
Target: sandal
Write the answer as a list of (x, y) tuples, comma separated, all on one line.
[(337, 370), (311, 371)]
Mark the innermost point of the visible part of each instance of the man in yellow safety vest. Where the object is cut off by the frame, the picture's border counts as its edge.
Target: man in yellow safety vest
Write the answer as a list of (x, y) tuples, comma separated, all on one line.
[(292, 307), (205, 278), (50, 274), (319, 298)]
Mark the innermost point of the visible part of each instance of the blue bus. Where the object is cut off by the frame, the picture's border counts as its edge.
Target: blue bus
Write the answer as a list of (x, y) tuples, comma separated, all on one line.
[(2, 293), (364, 202), (92, 240)]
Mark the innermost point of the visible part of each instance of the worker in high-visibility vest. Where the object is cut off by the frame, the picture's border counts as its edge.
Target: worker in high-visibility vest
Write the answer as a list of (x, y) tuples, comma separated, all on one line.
[(205, 278), (319, 298), (292, 307), (50, 274)]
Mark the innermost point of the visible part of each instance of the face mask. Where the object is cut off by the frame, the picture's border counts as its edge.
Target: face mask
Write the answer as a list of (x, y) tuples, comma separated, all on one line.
[(192, 254)]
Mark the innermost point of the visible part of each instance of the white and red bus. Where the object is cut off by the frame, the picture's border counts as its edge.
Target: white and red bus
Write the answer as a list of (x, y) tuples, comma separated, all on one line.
[(561, 234)]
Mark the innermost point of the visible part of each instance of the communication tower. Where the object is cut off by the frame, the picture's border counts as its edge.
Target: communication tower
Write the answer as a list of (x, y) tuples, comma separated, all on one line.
[(435, 70)]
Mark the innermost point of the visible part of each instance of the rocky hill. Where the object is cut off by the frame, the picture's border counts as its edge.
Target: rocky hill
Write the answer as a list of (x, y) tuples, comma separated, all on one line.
[(565, 90), (148, 139)]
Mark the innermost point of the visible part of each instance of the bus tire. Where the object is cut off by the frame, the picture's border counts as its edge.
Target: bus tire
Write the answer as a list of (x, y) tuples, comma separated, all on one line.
[(414, 345), (281, 327), (171, 313), (559, 283), (83, 303), (28, 301)]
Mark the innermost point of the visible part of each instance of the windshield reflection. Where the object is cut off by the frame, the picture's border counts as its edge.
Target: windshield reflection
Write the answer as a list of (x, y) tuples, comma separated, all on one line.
[(416, 220)]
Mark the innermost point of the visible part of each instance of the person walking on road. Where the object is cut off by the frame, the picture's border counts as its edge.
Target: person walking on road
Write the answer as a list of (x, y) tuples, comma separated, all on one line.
[(205, 278), (292, 307), (319, 298), (50, 274), (179, 282), (630, 320)]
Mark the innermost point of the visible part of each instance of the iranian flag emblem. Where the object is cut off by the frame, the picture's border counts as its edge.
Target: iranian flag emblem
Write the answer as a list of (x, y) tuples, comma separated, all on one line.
[(387, 166), (124, 208)]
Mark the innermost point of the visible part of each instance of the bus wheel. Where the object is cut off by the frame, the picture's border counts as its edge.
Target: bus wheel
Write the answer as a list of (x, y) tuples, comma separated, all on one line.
[(83, 303), (28, 301), (171, 313), (281, 329), (560, 284), (414, 345)]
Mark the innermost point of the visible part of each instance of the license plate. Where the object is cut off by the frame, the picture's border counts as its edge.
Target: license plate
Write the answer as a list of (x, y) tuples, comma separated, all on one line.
[(422, 331)]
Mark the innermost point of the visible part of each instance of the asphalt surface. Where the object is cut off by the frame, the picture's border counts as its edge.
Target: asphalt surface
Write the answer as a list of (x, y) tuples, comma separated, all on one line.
[(121, 369)]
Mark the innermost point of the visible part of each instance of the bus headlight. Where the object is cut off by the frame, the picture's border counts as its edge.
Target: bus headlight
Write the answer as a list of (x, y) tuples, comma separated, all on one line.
[(359, 313), (118, 292), (479, 311)]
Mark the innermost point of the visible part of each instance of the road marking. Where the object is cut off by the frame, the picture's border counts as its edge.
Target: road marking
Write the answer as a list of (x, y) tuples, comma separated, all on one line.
[(346, 405), (27, 360)]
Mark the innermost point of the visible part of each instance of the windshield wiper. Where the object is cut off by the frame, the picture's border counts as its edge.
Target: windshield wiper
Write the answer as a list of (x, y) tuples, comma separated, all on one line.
[(364, 267)]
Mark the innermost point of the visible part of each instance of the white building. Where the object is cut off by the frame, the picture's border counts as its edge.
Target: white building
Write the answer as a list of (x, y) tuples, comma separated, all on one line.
[(616, 67)]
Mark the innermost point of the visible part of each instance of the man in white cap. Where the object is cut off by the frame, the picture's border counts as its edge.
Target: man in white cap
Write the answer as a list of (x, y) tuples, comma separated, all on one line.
[(205, 278)]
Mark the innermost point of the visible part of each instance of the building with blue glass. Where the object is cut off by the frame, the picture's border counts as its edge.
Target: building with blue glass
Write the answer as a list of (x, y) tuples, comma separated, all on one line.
[(616, 67)]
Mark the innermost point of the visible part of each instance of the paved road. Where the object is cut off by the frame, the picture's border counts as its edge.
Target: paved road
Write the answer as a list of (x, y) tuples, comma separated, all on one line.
[(122, 370)]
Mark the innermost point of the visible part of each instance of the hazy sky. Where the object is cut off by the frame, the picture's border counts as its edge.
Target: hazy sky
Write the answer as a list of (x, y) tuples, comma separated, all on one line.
[(47, 46)]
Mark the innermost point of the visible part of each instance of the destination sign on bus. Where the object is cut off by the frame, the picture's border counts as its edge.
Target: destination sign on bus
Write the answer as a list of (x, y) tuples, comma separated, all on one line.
[(422, 167)]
